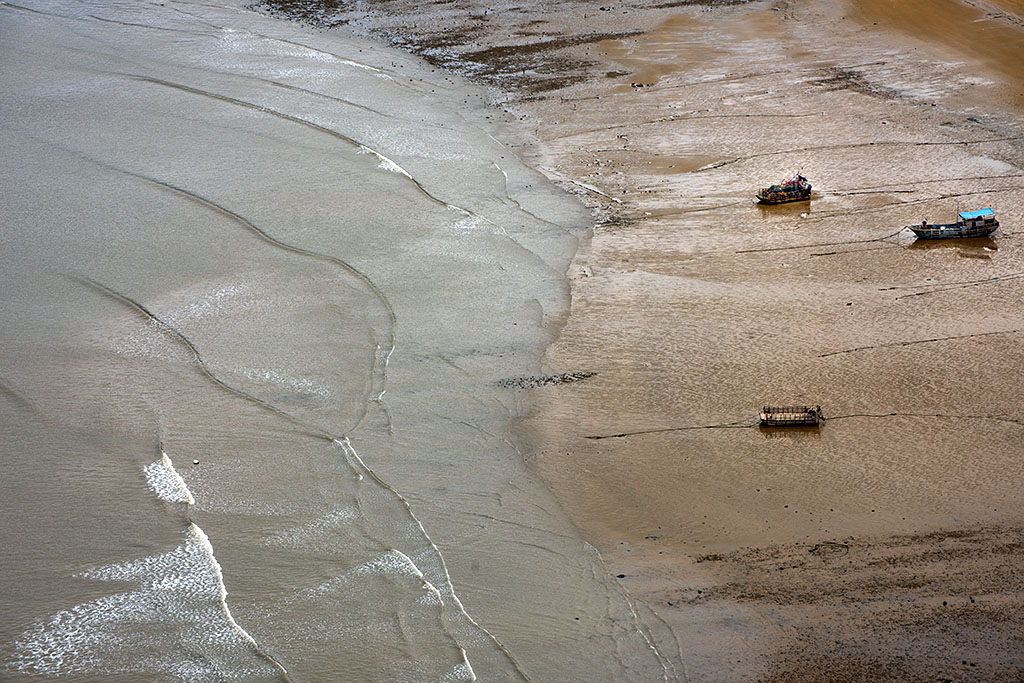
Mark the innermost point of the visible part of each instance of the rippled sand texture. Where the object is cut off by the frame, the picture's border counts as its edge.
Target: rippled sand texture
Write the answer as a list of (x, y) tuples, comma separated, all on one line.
[(267, 292), (694, 307)]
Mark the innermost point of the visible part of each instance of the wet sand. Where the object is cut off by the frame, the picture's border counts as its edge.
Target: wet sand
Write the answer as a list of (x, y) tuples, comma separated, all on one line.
[(887, 544), (882, 546)]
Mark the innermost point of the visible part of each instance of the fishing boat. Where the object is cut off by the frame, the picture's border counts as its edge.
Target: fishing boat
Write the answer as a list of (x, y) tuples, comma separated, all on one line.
[(790, 416), (793, 189), (979, 223)]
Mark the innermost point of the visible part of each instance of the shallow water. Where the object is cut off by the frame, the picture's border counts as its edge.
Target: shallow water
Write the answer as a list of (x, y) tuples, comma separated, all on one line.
[(262, 285)]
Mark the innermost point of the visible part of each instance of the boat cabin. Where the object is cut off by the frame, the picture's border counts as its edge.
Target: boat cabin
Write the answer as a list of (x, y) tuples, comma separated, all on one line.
[(980, 223), (977, 219)]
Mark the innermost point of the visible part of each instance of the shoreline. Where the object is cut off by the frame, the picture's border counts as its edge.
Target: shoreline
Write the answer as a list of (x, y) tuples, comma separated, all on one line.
[(326, 271), (857, 549)]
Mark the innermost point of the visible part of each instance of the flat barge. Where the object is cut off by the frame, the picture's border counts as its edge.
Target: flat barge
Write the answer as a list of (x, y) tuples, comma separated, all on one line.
[(790, 416)]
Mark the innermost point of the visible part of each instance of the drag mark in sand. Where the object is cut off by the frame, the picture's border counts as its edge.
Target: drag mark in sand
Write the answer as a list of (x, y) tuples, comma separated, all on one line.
[(332, 98), (849, 251), (344, 60), (347, 62), (912, 202), (856, 145), (820, 244), (33, 11), (102, 19), (683, 116), (382, 357), (1009, 276), (730, 425), (887, 189), (944, 287), (748, 425), (944, 416), (515, 202), (146, 26), (340, 100), (916, 341), (680, 212)]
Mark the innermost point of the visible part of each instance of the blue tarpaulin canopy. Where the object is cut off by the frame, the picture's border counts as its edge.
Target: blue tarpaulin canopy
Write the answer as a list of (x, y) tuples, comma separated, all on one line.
[(967, 215)]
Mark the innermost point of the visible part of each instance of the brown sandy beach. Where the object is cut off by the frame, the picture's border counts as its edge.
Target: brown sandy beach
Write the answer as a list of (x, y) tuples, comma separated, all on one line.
[(886, 545)]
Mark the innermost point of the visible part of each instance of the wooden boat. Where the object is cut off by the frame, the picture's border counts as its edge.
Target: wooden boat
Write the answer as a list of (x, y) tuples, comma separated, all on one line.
[(794, 189), (979, 223), (788, 416)]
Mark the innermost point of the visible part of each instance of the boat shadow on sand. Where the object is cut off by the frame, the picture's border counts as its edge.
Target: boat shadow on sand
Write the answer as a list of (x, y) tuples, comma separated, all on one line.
[(968, 247), (792, 209), (794, 433)]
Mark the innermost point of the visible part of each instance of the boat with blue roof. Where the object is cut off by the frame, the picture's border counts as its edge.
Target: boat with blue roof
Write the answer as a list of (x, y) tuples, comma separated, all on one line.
[(980, 223)]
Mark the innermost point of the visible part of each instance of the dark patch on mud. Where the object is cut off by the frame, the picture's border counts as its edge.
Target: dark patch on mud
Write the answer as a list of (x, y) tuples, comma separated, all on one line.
[(923, 607), (838, 78), (545, 380), (504, 48), (321, 14), (700, 3), (528, 68)]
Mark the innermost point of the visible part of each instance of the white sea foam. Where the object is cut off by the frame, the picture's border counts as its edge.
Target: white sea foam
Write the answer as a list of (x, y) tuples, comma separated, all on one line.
[(427, 145), (211, 496), (297, 384), (237, 296), (468, 223), (431, 597), (166, 482), (392, 562), (461, 672), (385, 163), (181, 592), (366, 67), (153, 340), (316, 534)]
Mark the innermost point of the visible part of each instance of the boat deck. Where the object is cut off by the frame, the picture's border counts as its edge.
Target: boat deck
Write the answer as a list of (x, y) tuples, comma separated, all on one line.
[(778, 416)]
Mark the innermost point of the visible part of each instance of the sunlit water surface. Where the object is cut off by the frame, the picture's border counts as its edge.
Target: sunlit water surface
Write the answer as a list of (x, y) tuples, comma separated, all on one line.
[(261, 287)]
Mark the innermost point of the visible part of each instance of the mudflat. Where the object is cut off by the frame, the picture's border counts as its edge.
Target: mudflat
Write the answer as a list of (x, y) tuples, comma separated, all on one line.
[(886, 544)]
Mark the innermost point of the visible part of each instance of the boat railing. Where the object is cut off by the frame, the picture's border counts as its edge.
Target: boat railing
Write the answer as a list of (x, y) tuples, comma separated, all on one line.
[(791, 410)]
